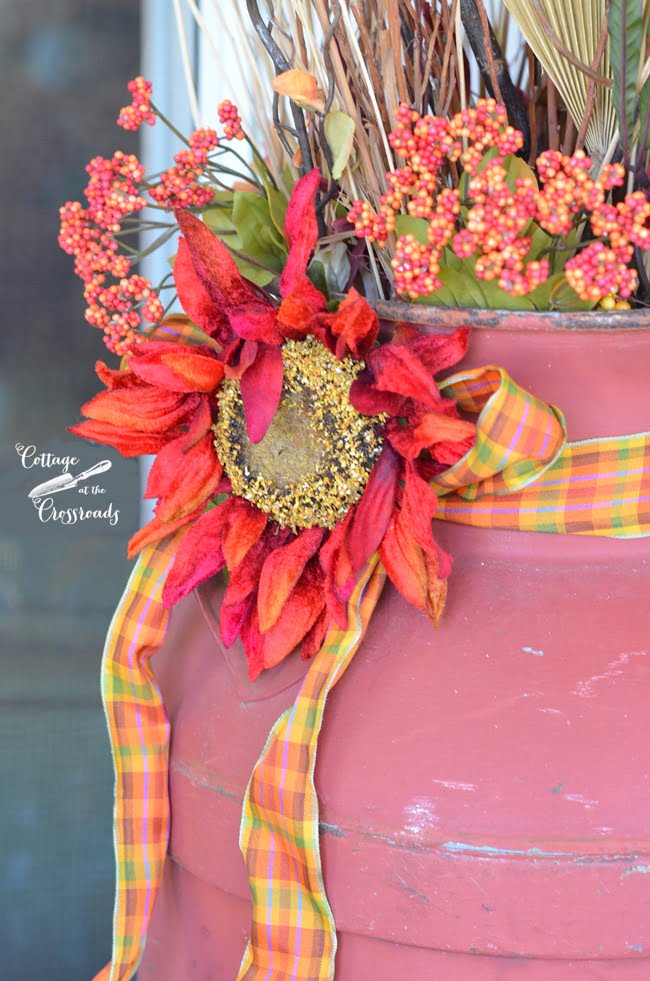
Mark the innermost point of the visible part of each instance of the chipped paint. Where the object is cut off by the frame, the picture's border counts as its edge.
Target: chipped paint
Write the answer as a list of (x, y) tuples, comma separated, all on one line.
[(462, 846), (586, 688), (533, 650), (580, 799), (420, 816), (637, 870), (455, 784), (637, 947)]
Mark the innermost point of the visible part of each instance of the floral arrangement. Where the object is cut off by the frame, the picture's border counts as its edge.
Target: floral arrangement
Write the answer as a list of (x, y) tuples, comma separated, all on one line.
[(292, 435), (319, 440)]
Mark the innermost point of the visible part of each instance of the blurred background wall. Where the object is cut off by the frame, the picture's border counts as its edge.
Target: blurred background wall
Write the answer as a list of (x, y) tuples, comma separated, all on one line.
[(64, 65)]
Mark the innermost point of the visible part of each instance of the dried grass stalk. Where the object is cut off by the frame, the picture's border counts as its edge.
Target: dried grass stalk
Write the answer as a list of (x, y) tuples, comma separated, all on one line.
[(566, 37)]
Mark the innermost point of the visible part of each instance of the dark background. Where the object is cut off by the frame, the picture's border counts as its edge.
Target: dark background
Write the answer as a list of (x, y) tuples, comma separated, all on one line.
[(64, 65)]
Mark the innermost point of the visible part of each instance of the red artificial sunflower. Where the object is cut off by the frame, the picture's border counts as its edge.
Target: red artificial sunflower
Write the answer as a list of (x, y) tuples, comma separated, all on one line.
[(322, 440)]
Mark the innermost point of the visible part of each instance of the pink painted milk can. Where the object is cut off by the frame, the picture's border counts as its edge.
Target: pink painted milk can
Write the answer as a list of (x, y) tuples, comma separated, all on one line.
[(484, 788)]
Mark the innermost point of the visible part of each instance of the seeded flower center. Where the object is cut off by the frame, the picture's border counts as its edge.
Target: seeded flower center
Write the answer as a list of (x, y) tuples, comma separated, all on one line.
[(315, 460)]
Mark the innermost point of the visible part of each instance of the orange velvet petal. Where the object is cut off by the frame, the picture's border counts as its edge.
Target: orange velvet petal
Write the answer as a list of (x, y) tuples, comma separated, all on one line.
[(125, 441), (352, 329), (335, 562), (281, 572), (195, 299), (397, 369), (315, 637), (214, 266), (140, 410), (298, 616), (183, 478), (294, 316), (431, 428), (199, 556), (261, 389), (244, 580), (244, 525), (176, 367), (413, 570), (373, 512), (156, 530), (301, 232), (116, 378)]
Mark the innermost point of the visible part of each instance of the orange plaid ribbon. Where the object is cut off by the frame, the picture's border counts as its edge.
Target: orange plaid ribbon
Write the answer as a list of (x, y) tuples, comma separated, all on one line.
[(520, 475)]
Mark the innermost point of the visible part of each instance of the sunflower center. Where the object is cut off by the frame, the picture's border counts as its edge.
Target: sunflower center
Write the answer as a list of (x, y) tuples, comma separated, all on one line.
[(315, 460)]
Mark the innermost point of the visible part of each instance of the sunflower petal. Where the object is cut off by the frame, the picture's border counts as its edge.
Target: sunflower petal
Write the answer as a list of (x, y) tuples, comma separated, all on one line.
[(232, 617), (429, 429), (126, 441), (199, 556), (440, 351), (214, 266), (339, 573), (352, 329), (301, 232), (373, 512), (298, 616), (261, 388), (195, 299), (183, 478), (116, 377), (413, 560), (244, 580), (176, 367), (155, 530), (257, 324), (140, 410), (397, 369), (281, 572), (315, 637), (243, 526)]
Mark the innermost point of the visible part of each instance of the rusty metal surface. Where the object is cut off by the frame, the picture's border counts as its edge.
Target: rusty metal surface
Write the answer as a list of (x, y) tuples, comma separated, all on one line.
[(485, 788), (445, 319)]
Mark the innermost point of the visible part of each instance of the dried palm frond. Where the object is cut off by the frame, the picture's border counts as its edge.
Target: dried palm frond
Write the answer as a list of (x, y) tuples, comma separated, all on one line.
[(570, 40)]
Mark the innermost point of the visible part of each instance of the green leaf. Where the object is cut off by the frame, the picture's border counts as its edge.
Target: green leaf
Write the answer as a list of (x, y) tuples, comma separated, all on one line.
[(251, 217), (627, 45), (276, 199), (339, 133), (463, 288), (418, 227), (318, 276), (243, 237), (459, 289), (561, 296)]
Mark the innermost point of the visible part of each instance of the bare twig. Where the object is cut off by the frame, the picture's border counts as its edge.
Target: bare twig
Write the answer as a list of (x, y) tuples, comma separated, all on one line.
[(281, 64)]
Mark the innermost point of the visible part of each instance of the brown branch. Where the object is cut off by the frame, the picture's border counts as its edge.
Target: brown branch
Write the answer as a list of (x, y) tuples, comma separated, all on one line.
[(491, 62), (551, 110)]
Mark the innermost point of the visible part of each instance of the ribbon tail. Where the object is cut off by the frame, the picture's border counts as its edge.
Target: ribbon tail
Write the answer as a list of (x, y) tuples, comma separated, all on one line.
[(293, 934), (139, 735)]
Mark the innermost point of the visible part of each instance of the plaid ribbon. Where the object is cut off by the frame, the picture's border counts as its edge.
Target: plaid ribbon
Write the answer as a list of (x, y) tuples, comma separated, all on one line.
[(139, 735), (521, 474), (293, 937)]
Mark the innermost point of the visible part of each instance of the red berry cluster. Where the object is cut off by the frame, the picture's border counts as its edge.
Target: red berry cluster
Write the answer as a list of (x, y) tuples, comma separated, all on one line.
[(494, 225), (230, 119), (116, 191), (598, 271), (140, 111)]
